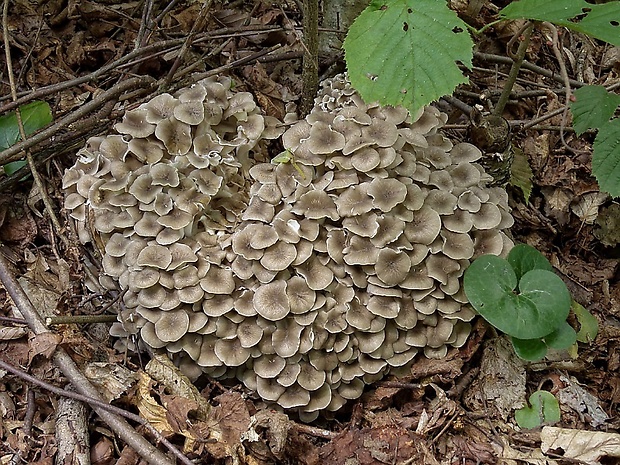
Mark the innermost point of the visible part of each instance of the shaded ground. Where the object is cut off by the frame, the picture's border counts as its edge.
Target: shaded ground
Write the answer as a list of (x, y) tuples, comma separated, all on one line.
[(458, 410)]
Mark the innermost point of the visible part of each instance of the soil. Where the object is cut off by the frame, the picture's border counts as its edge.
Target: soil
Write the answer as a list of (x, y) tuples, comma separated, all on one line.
[(459, 410)]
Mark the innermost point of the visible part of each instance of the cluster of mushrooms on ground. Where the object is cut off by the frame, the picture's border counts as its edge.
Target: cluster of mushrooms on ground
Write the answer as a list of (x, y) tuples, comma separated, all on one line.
[(305, 279)]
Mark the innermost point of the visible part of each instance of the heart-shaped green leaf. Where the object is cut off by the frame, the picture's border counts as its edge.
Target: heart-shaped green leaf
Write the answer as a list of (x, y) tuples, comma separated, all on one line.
[(539, 308), (587, 322), (524, 258), (562, 338), (531, 350), (544, 409)]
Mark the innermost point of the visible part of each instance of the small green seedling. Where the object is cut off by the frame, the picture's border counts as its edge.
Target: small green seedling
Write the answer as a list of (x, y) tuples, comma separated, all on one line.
[(544, 408), (34, 115), (288, 157), (522, 297)]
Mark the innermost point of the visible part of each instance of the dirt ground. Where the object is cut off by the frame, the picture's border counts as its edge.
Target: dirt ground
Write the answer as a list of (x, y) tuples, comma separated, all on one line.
[(459, 410)]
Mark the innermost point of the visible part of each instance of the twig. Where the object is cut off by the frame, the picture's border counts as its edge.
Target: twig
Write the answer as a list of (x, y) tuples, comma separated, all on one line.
[(198, 24), (96, 403), (131, 59), (526, 65), (79, 319), (398, 385), (104, 70), (30, 411), (310, 66), (11, 153), (239, 62), (87, 391), (145, 25), (22, 132), (458, 103), (314, 431), (555, 43), (514, 70)]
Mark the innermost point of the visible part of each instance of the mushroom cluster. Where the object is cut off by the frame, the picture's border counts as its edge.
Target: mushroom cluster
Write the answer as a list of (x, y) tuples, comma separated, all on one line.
[(307, 278)]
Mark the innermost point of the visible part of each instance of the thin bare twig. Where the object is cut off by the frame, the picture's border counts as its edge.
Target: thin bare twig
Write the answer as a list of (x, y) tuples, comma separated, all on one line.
[(555, 43), (310, 63), (198, 24), (314, 431), (526, 65), (145, 25)]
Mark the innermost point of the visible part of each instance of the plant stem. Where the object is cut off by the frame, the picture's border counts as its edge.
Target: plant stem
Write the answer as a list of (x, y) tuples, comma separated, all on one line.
[(79, 319), (514, 71), (310, 71)]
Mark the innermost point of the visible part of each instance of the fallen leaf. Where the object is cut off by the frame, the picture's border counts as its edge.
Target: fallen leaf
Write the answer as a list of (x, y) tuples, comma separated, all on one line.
[(374, 446), (586, 207), (581, 401), (111, 379), (43, 344), (148, 407), (587, 446)]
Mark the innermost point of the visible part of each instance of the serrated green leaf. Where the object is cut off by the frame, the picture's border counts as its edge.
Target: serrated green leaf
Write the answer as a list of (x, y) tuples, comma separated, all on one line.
[(600, 21), (587, 322), (524, 258), (521, 174), (593, 107), (606, 157), (544, 408), (35, 115), (406, 52), (538, 308), (531, 350)]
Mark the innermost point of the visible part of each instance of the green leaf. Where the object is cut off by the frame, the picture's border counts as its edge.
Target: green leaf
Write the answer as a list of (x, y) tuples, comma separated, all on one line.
[(606, 157), (601, 21), (13, 166), (587, 322), (406, 52), (35, 115), (531, 350), (521, 174), (542, 304), (562, 338), (593, 107), (524, 258), (544, 408)]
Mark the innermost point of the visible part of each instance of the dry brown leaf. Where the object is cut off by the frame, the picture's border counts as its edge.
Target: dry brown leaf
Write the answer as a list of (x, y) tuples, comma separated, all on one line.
[(587, 446), (148, 407), (586, 207), (111, 379), (43, 344), (374, 446), (9, 333), (162, 370)]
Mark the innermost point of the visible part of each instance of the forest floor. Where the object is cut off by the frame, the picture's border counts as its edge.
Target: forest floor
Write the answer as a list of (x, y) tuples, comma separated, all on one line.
[(459, 410)]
